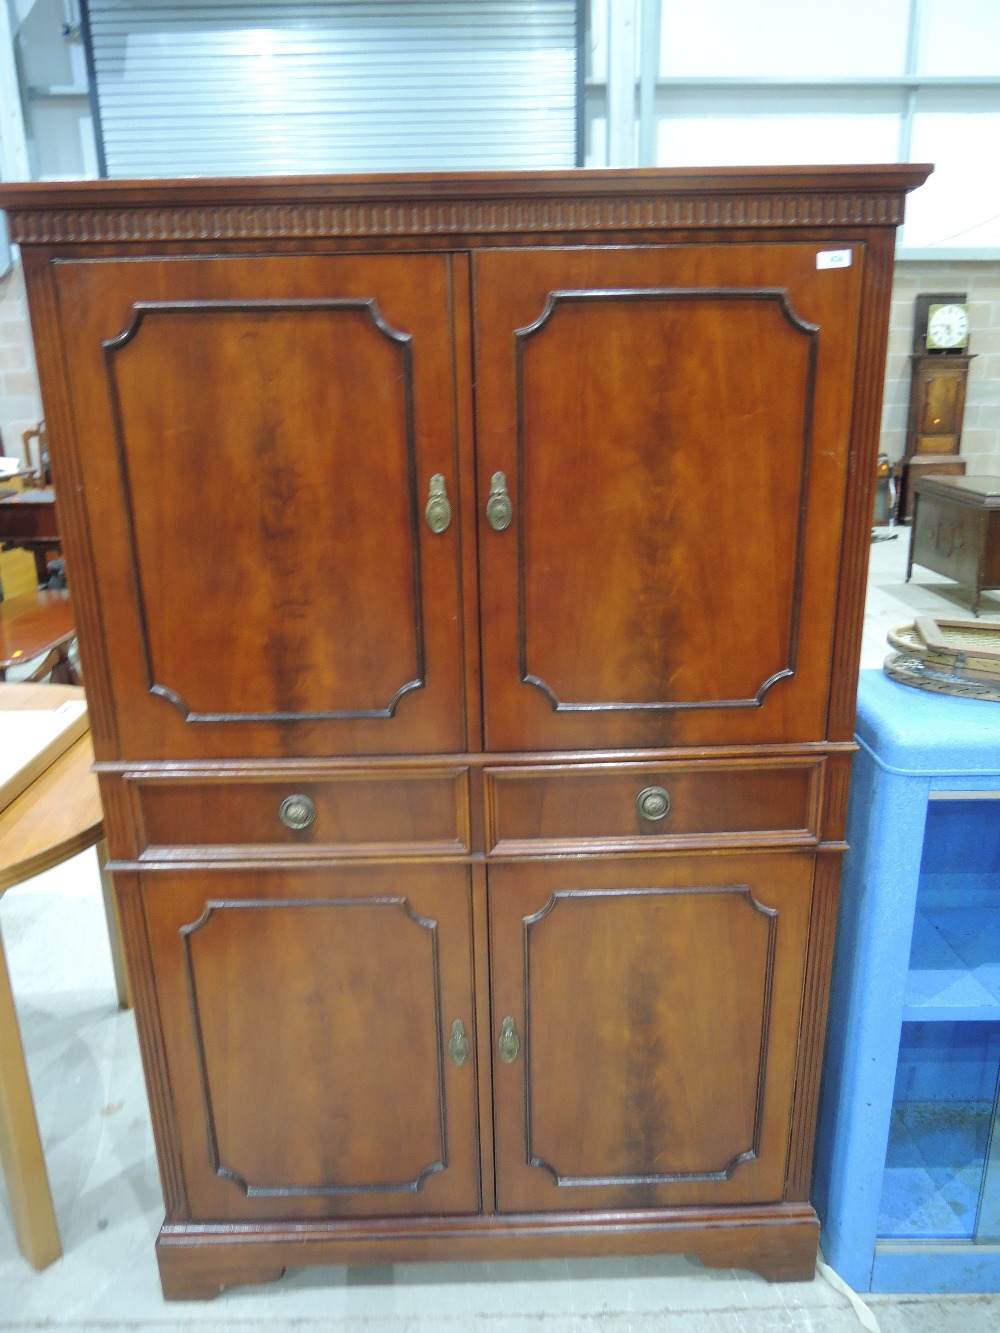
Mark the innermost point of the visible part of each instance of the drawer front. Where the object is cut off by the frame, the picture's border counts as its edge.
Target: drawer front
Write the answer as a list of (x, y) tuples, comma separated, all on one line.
[(621, 806), (347, 813), (30, 518)]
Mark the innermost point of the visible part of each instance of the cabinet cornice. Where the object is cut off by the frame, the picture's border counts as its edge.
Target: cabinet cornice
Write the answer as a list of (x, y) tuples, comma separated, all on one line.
[(463, 206)]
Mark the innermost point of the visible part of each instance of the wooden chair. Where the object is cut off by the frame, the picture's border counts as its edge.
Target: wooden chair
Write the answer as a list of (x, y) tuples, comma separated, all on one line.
[(38, 473), (19, 476), (29, 520)]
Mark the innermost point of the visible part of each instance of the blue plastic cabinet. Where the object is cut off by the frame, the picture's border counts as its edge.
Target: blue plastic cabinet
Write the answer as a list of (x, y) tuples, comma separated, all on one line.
[(907, 1181)]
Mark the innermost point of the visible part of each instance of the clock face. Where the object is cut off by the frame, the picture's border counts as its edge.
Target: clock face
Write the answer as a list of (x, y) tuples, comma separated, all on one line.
[(947, 326)]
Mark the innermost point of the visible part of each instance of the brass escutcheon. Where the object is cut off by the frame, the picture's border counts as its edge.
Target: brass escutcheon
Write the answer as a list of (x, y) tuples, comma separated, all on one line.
[(438, 509), (499, 510), (458, 1046), (509, 1044)]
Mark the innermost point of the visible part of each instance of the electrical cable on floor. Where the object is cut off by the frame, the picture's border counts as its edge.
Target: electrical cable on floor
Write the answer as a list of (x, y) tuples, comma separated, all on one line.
[(866, 1316)]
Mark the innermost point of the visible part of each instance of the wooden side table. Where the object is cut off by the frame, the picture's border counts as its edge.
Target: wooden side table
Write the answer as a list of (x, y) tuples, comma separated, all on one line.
[(956, 531), (38, 625), (29, 521), (58, 816)]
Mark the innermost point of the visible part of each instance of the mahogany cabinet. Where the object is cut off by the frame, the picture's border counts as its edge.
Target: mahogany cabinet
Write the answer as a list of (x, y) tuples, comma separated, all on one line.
[(469, 575)]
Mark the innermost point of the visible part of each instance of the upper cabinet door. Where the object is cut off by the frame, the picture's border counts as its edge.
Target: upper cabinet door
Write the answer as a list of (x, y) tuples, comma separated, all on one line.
[(258, 439), (673, 429)]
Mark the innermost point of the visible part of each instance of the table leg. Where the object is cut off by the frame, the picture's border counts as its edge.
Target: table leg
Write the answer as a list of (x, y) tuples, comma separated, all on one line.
[(60, 672), (47, 667), (114, 930), (20, 1145), (913, 538), (41, 568)]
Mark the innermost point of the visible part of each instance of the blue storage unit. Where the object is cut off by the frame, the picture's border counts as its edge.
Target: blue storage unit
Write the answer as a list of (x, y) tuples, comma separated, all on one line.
[(907, 1181)]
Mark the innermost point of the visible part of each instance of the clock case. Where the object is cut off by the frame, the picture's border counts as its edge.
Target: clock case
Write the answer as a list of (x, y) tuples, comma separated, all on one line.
[(938, 382)]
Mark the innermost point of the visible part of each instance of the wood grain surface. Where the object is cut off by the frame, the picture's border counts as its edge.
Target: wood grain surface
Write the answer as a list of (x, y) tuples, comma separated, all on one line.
[(33, 624)]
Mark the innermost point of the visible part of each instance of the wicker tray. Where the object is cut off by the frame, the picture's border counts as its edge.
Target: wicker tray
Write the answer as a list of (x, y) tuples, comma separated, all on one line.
[(949, 656)]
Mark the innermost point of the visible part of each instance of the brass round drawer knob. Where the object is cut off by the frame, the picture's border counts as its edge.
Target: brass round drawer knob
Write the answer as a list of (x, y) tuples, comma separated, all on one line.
[(653, 803), (296, 812)]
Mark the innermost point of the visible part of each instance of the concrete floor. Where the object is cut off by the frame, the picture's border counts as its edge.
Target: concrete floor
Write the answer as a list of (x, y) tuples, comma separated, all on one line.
[(92, 1108), (892, 601)]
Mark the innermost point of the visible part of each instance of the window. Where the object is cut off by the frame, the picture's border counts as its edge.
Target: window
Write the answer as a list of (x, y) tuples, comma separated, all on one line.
[(784, 82)]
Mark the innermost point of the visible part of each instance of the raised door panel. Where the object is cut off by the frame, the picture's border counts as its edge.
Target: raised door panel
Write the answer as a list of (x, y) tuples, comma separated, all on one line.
[(657, 1008), (258, 437), (307, 1019), (674, 428)]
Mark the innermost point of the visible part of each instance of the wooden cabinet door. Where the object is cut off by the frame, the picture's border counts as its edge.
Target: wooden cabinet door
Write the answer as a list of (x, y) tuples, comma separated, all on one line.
[(306, 1021), (656, 1005), (258, 437), (674, 427)]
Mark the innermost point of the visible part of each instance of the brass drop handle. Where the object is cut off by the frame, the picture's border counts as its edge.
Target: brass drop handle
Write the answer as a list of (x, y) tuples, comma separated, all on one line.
[(509, 1043), (458, 1046), (499, 510), (653, 803), (438, 509), (297, 812)]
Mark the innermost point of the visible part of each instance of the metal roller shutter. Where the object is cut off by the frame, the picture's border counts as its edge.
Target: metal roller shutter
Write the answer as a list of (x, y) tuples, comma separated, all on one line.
[(252, 89)]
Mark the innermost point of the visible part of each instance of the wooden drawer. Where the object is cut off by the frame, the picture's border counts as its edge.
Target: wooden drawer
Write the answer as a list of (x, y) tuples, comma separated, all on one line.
[(354, 812), (709, 804)]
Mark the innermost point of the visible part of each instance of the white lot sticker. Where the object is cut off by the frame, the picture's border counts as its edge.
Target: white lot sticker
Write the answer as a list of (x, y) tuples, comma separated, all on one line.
[(834, 258)]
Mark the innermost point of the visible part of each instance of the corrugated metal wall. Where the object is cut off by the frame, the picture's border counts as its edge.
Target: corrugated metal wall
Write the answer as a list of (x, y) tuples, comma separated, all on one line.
[(377, 85)]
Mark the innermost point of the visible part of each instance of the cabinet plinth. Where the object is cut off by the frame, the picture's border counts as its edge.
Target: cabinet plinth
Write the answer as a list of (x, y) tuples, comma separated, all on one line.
[(469, 575)]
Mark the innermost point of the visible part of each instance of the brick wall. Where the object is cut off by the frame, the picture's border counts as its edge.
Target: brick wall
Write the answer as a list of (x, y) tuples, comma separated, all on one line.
[(20, 404), (981, 428)]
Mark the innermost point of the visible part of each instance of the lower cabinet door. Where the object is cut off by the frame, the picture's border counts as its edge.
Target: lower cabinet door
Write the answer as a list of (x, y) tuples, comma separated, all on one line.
[(308, 1021), (645, 1019)]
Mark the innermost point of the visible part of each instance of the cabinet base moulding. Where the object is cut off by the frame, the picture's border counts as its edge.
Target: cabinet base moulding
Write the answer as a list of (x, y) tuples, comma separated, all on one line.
[(198, 1261)]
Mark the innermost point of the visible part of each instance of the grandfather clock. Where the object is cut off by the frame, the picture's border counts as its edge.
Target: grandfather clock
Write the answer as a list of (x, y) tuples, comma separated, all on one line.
[(939, 370)]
